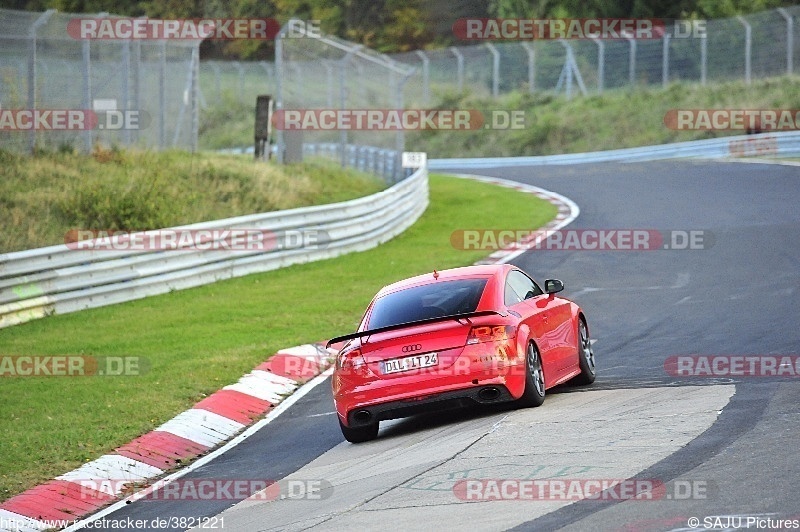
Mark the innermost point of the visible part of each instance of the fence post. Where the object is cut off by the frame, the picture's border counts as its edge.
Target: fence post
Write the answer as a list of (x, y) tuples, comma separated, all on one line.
[(748, 45), (343, 98), (125, 89), (279, 93), (665, 60), (240, 68), (162, 94), (362, 85), (531, 51), (703, 58), (567, 69), (495, 69), (426, 76), (570, 70), (217, 80), (137, 76), (32, 86), (195, 89), (601, 64), (460, 65), (400, 141), (329, 82), (86, 68), (632, 62), (789, 40)]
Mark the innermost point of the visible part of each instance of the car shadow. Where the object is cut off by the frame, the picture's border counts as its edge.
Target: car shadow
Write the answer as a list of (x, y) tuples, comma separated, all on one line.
[(443, 418)]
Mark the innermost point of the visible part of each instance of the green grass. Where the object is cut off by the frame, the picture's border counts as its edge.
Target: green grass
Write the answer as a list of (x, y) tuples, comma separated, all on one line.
[(44, 196), (619, 118), (196, 341), (615, 119)]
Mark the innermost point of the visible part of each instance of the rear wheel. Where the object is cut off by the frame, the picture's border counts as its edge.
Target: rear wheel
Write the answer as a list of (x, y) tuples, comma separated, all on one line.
[(585, 356), (534, 378), (359, 434)]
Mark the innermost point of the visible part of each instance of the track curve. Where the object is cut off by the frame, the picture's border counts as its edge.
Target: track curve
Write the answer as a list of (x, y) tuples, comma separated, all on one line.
[(735, 435)]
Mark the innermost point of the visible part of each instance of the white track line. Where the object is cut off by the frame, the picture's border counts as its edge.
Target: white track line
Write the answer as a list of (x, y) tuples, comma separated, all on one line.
[(574, 210), (277, 411), (563, 220)]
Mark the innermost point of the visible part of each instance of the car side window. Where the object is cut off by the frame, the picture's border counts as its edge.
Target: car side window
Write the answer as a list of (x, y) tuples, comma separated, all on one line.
[(519, 287)]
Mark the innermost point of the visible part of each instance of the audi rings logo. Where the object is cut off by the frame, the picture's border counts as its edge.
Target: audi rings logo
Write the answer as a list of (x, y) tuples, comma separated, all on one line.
[(411, 348)]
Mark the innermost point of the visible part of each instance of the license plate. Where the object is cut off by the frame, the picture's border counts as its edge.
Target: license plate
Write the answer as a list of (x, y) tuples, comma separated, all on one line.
[(408, 363)]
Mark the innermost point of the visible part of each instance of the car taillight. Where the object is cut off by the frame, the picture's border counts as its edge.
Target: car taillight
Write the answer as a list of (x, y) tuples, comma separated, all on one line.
[(491, 333), (351, 362)]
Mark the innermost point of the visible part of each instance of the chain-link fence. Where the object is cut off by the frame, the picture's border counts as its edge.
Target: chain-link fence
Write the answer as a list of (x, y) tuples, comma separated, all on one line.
[(316, 72), (140, 92), (240, 81), (745, 48), (42, 67)]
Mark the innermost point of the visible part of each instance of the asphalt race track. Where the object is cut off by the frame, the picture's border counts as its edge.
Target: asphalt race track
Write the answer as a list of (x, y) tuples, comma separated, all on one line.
[(731, 440)]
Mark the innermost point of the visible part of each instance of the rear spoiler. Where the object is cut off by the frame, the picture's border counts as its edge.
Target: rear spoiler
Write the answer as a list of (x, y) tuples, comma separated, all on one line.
[(396, 326)]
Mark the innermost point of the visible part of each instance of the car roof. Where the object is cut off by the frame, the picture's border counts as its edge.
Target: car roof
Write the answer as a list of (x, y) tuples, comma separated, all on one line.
[(479, 271)]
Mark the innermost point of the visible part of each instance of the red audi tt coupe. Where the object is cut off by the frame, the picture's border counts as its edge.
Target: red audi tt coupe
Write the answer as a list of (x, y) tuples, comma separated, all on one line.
[(449, 339)]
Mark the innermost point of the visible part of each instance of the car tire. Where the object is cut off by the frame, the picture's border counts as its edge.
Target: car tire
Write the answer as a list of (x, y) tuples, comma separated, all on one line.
[(585, 356), (359, 434), (534, 378)]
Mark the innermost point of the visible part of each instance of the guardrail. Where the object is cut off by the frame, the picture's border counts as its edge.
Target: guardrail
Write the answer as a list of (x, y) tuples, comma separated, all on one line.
[(59, 279), (764, 144), (379, 161)]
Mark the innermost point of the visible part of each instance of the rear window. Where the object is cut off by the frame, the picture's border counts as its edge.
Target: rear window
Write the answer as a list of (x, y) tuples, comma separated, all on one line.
[(433, 300)]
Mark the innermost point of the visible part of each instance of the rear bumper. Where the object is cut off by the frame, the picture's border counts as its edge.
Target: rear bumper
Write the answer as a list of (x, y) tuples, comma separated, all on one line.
[(478, 366), (474, 395)]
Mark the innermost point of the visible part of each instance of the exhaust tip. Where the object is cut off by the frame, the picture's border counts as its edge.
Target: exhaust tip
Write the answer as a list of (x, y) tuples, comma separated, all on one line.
[(362, 416), (489, 394)]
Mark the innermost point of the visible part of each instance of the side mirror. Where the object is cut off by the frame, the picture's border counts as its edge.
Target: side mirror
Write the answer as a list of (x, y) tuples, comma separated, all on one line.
[(551, 286)]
